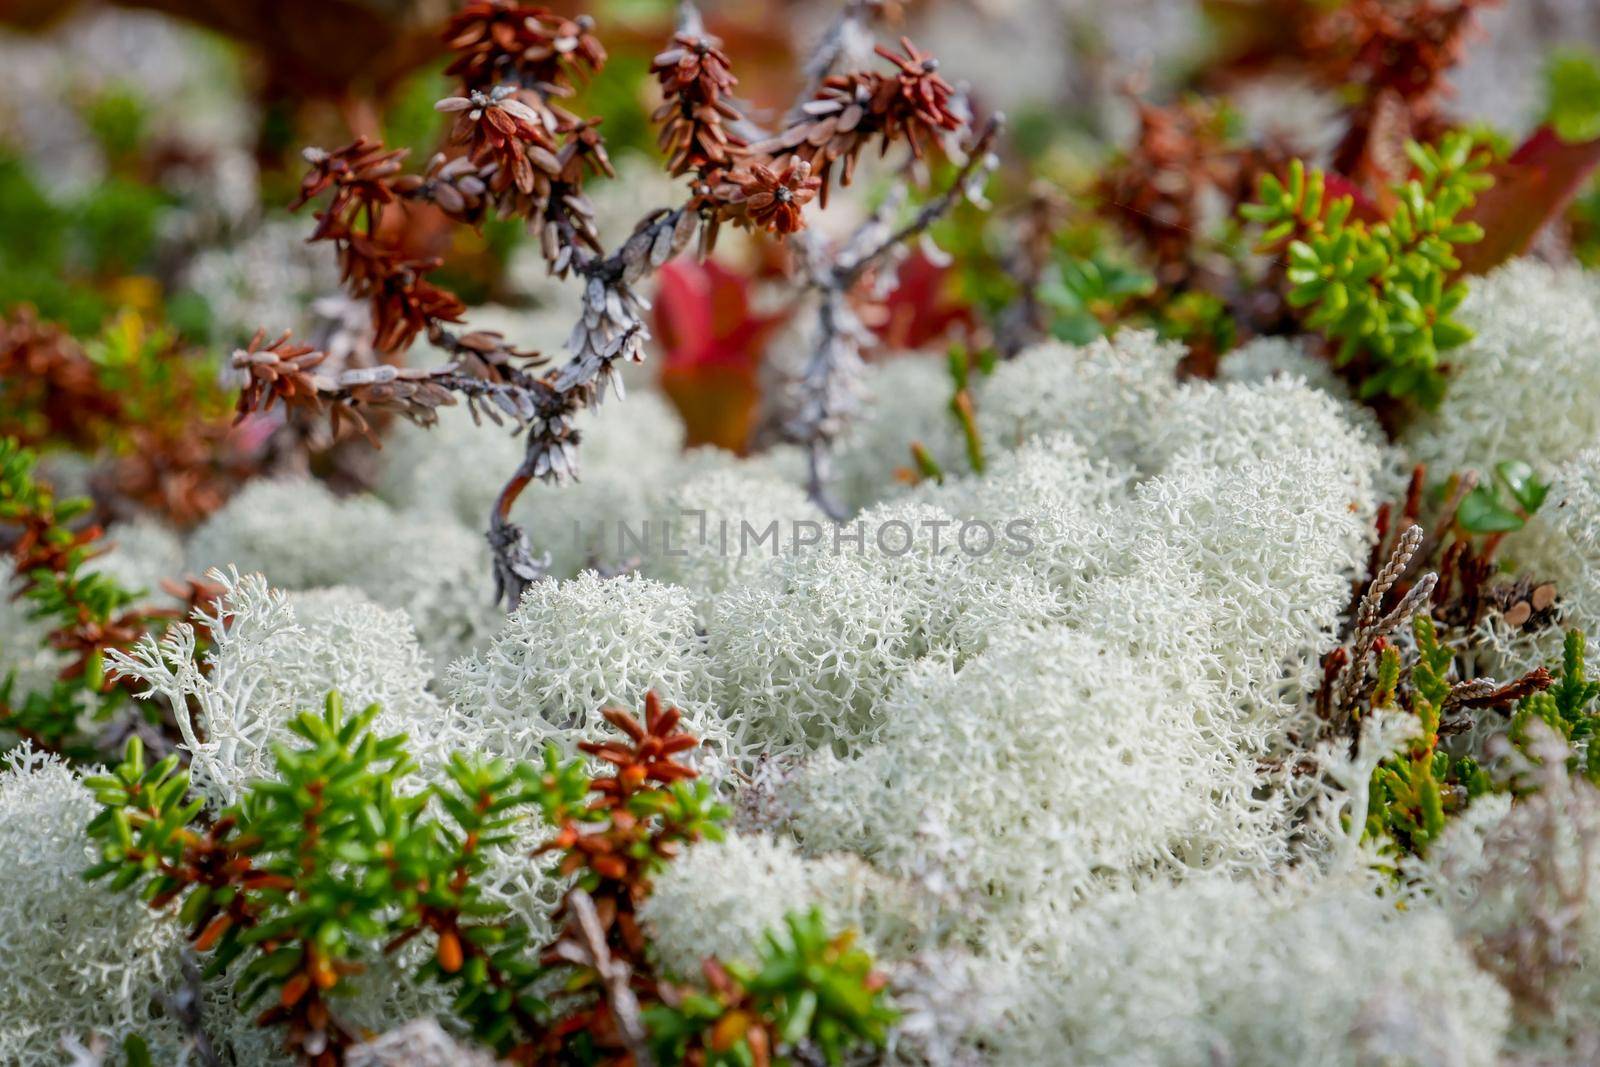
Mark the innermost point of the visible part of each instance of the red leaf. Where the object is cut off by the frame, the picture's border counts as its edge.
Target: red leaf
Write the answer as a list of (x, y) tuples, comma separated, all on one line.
[(922, 309), (714, 343), (1531, 187)]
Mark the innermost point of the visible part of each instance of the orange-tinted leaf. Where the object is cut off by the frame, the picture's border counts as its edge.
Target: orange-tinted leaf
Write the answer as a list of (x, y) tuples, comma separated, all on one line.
[(1531, 187), (923, 309), (714, 343)]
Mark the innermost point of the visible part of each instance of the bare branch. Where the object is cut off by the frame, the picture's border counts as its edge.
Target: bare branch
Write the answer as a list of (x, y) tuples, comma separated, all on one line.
[(828, 391), (592, 952), (846, 33)]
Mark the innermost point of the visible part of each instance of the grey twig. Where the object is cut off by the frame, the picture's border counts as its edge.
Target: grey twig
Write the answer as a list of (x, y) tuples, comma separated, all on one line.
[(847, 28), (828, 391), (1371, 623), (689, 20), (590, 950)]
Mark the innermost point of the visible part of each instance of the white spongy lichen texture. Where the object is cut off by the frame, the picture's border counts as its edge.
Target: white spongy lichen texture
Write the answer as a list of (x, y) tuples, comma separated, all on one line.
[(1052, 507), (1107, 394), (720, 898), (271, 656), (1216, 971), (804, 658), (1056, 715), (81, 959), (302, 537), (710, 532), (575, 647), (1527, 387)]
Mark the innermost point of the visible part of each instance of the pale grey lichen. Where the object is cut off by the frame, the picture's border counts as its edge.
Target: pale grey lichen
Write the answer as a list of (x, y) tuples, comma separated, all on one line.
[(1216, 971), (702, 534), (573, 648), (1108, 394), (1050, 764), (83, 960), (269, 656), (301, 536), (1526, 387), (720, 898)]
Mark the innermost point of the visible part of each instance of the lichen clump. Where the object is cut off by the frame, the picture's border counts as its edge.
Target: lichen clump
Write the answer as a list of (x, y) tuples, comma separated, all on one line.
[(1110, 594)]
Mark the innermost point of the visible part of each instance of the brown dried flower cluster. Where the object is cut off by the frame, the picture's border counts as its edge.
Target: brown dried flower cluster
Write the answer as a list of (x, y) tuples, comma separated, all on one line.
[(849, 111), (1391, 60), (529, 154), (774, 196), (1157, 192), (498, 130), (404, 303), (452, 184), (182, 475), (49, 391), (359, 175), (768, 184), (513, 161), (697, 85), (1399, 55), (285, 372), (505, 41)]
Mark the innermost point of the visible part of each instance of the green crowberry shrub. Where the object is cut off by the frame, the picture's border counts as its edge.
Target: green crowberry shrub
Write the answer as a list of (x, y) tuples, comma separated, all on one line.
[(1382, 291), (343, 856)]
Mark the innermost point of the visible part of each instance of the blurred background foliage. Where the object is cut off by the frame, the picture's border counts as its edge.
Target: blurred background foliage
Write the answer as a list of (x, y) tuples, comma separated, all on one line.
[(148, 149)]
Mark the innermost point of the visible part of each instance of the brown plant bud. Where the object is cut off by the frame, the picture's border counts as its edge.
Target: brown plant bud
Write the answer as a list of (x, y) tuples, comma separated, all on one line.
[(503, 40), (696, 84), (497, 127), (773, 198)]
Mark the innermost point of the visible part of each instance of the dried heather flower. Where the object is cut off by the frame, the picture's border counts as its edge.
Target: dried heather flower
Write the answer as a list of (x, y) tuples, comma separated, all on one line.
[(697, 86), (404, 302), (499, 128), (850, 110), (774, 198), (285, 372), (503, 40), (280, 371), (359, 172), (454, 185)]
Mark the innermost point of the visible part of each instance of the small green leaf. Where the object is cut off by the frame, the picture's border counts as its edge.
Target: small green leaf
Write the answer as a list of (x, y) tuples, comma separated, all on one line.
[(1482, 512), (1519, 478)]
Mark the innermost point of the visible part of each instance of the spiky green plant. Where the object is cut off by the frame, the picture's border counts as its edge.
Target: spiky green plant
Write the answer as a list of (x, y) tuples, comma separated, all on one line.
[(84, 612), (333, 859), (343, 854), (812, 990), (1384, 290), (1568, 708), (1413, 792)]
